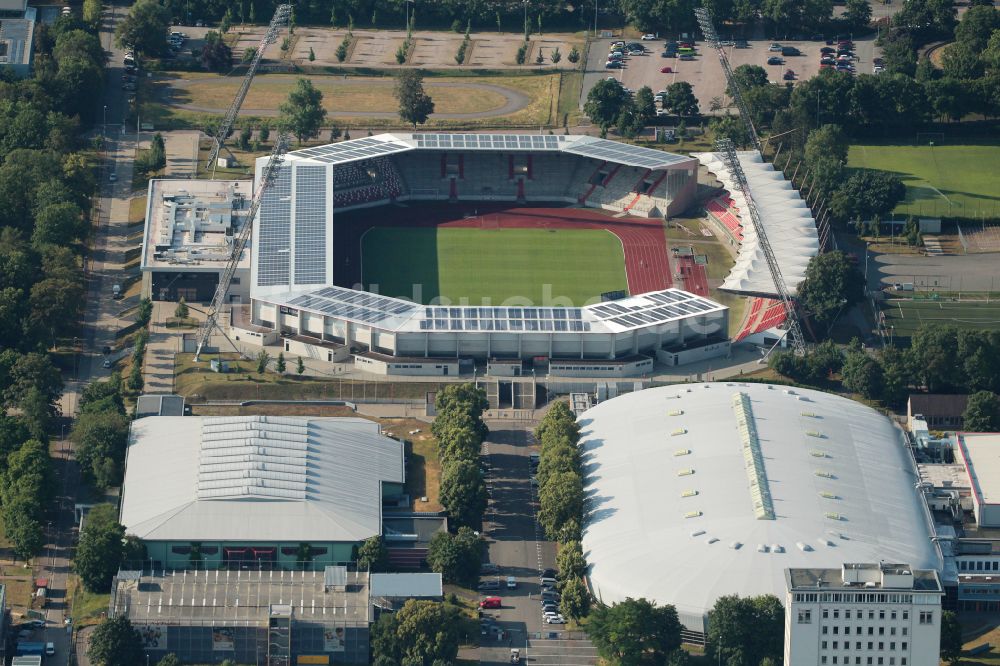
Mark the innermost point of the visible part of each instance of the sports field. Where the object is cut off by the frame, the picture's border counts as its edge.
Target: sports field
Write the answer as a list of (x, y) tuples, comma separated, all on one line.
[(941, 180), (493, 265), (906, 316)]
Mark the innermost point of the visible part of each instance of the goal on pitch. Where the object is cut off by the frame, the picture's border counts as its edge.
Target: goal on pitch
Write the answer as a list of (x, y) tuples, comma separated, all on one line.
[(930, 138)]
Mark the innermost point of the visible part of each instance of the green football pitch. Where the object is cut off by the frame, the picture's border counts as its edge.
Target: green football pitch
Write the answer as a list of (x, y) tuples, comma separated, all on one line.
[(493, 266), (907, 316), (941, 180)]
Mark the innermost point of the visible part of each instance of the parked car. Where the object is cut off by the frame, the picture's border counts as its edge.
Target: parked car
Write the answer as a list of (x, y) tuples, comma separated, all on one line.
[(669, 54), (878, 61), (491, 602), (511, 583), (557, 619), (490, 584), (617, 43), (613, 64), (36, 623), (489, 568), (789, 75), (549, 573), (775, 47), (666, 70), (615, 55), (648, 37), (790, 51), (50, 649), (775, 60), (828, 49), (637, 52), (687, 56), (742, 44)]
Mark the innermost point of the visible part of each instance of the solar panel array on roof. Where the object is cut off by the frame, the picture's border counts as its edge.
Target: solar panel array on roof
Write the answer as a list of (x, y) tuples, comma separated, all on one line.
[(625, 154), (653, 308), (349, 304), (517, 319), (349, 151), (490, 141)]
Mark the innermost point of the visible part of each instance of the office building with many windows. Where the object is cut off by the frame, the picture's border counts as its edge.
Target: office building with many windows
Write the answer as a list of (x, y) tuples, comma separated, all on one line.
[(863, 615)]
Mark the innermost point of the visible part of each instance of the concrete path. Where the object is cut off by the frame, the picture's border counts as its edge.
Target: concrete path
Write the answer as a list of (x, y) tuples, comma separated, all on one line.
[(514, 99)]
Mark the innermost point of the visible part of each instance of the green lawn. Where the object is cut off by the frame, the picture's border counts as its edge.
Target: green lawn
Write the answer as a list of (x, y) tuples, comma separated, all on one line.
[(906, 316), (477, 266), (941, 180)]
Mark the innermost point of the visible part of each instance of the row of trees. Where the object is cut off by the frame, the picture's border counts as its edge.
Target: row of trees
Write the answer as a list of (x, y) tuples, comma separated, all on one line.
[(610, 105), (100, 432), (460, 431)]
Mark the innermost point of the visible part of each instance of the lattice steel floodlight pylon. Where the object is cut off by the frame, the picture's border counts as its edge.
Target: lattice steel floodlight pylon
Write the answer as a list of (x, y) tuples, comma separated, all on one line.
[(281, 15), (728, 152), (267, 177)]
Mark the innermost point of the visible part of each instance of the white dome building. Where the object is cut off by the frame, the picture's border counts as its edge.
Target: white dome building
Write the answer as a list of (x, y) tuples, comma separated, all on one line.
[(696, 491)]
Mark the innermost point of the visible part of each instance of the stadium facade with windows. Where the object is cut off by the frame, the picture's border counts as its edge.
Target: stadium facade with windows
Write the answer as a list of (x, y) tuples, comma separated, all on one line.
[(697, 491), (294, 296)]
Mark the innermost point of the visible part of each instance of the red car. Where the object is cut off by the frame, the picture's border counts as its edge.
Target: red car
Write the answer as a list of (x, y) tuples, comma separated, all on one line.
[(490, 602), (789, 75), (667, 70)]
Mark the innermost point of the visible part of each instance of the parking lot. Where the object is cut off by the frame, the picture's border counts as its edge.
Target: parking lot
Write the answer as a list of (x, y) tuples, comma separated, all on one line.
[(705, 73), (517, 547)]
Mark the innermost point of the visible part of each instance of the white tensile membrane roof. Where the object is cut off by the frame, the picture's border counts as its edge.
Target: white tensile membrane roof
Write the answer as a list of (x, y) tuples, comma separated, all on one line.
[(695, 491), (788, 222)]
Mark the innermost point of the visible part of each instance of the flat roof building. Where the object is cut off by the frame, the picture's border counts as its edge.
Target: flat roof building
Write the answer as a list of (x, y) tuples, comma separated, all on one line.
[(17, 30), (703, 490), (258, 492), (868, 613), (980, 453), (191, 227)]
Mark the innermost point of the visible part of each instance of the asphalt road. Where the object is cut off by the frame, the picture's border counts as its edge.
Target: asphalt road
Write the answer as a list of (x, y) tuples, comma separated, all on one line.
[(517, 546)]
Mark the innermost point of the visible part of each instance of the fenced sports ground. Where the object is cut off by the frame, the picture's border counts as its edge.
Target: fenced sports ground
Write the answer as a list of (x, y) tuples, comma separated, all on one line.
[(942, 180), (904, 317)]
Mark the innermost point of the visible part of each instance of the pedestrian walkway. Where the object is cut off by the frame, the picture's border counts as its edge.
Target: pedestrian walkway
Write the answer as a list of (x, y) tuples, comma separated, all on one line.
[(560, 652)]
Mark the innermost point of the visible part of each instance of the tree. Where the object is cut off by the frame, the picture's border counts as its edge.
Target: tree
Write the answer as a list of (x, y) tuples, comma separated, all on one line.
[(415, 106), (144, 28), (831, 284), (604, 103), (574, 55), (982, 412), (58, 224), (862, 374), (54, 304), (570, 561), (373, 555), (135, 380), (279, 366), (99, 552), (29, 371), (421, 632), (101, 439), (216, 56), (680, 99), (748, 77), (730, 127), (645, 105), (962, 61), (746, 630), (263, 358), (827, 142), (858, 13), (181, 311), (92, 12), (456, 556), (312, 55), (575, 601), (561, 505), (951, 638), (867, 193), (300, 366), (114, 642), (303, 113), (463, 493), (977, 27), (935, 360), (170, 659), (635, 631), (458, 442)]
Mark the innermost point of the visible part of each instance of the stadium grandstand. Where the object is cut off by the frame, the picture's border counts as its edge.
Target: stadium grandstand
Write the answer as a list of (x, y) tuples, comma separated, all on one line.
[(295, 296), (788, 222), (755, 479)]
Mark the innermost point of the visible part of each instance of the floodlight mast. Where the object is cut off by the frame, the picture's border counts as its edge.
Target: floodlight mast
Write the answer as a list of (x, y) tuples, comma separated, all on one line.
[(708, 30), (279, 20), (267, 177), (728, 151)]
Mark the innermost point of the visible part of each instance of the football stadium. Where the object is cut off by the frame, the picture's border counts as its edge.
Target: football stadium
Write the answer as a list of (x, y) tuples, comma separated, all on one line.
[(409, 250)]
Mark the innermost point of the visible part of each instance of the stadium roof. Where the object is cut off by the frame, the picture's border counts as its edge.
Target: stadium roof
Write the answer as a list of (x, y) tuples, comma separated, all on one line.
[(257, 478), (381, 145), (698, 491), (787, 220), (634, 312)]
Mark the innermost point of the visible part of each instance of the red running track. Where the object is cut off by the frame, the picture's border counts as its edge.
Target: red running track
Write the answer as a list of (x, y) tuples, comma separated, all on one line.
[(647, 266), (693, 276)]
